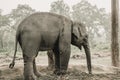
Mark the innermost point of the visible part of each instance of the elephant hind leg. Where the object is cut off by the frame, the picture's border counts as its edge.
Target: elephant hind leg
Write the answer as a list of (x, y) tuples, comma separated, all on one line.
[(51, 60), (28, 68), (36, 72), (30, 47)]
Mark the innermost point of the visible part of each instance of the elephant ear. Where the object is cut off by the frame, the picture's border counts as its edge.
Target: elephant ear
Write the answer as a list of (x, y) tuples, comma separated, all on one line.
[(75, 32), (82, 30)]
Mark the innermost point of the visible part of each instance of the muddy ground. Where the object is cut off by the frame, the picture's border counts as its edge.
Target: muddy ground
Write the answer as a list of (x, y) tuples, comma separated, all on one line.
[(101, 65)]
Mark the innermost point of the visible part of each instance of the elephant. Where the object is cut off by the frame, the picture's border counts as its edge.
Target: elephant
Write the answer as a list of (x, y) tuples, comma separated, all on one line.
[(43, 31), (51, 60)]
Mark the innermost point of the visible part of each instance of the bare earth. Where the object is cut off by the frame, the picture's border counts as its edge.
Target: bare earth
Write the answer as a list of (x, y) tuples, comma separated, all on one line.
[(101, 65)]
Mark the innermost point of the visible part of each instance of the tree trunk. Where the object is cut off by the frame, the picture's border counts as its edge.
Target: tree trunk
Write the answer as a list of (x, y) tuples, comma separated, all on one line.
[(114, 34)]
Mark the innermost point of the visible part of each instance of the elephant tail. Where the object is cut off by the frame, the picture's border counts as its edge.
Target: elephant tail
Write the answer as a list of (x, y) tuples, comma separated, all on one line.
[(13, 61)]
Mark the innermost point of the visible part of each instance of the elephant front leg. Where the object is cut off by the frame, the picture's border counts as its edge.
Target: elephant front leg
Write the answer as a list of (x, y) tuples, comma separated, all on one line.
[(28, 68), (64, 50), (57, 61), (64, 59)]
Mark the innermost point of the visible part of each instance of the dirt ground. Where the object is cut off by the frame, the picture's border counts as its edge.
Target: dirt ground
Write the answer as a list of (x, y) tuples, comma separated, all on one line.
[(101, 66)]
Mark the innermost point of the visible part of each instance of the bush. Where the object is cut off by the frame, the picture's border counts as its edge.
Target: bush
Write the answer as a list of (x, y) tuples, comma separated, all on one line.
[(102, 46)]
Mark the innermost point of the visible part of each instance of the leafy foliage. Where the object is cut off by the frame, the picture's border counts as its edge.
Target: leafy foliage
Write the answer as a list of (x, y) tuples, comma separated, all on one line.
[(19, 14), (59, 7), (95, 19), (9, 23), (4, 27)]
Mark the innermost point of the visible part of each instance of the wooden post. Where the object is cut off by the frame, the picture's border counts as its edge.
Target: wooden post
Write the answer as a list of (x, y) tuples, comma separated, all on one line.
[(114, 34)]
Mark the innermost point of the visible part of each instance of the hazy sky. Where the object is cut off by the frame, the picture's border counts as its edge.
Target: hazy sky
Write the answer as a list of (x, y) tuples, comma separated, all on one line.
[(44, 5)]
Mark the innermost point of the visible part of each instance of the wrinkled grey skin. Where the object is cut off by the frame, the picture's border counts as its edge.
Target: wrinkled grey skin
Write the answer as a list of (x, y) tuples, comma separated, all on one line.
[(84, 44), (47, 31)]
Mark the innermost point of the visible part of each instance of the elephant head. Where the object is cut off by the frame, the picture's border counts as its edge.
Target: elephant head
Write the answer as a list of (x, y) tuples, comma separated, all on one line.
[(80, 39)]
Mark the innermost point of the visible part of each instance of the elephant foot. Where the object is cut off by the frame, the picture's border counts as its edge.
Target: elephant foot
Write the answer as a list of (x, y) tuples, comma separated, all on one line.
[(56, 72), (30, 77), (38, 74), (63, 72), (90, 72), (60, 72)]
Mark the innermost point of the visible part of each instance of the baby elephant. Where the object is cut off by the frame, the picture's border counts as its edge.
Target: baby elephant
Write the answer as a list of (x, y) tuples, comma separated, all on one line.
[(45, 31)]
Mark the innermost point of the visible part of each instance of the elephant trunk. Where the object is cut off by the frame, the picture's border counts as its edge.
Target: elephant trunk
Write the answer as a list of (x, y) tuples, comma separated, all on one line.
[(88, 55)]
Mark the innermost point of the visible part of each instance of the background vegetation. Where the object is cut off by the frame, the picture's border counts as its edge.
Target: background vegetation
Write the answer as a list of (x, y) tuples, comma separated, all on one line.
[(97, 21)]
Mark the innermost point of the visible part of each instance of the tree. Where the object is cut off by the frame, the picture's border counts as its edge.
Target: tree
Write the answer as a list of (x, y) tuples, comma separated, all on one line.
[(92, 17), (9, 22), (4, 26), (18, 14), (115, 28), (4, 20), (59, 7)]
